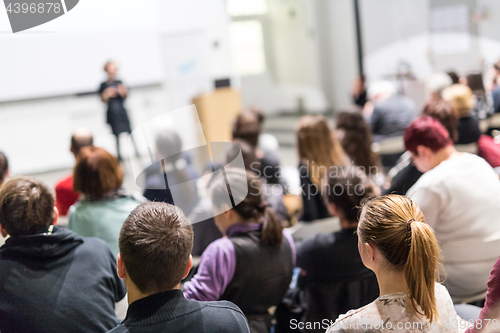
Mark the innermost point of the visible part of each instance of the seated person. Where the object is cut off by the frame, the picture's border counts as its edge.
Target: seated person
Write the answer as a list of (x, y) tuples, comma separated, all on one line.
[(402, 251), (332, 272), (105, 205), (409, 174), (65, 193), (462, 99), (153, 272), (51, 280), (459, 193), (252, 266), (392, 112), (491, 309), (318, 150), (248, 127), (4, 168), (172, 169)]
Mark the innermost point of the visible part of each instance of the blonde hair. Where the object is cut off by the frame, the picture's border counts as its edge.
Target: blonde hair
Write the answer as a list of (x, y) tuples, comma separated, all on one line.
[(461, 98), (317, 144), (396, 226)]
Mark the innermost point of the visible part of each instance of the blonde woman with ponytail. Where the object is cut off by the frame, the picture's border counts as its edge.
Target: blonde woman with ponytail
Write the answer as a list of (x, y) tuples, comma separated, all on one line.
[(401, 249)]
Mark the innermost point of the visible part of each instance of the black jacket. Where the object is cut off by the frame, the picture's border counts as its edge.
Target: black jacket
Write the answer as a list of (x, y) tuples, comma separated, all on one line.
[(58, 282), (171, 312)]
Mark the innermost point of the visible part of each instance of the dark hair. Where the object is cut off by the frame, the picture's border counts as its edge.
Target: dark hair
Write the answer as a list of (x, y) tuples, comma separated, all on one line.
[(357, 139), (444, 112), (428, 132), (155, 242), (355, 187), (78, 142), (4, 167), (245, 190), (247, 127), (96, 173), (454, 77), (396, 226), (26, 206), (250, 159)]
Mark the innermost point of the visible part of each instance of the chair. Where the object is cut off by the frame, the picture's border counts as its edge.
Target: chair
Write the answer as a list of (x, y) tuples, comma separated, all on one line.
[(470, 148), (302, 230), (329, 300)]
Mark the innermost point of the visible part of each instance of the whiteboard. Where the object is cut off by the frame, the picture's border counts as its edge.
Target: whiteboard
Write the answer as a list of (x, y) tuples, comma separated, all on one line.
[(66, 56)]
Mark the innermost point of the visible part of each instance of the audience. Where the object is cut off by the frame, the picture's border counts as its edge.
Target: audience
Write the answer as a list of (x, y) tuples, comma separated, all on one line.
[(155, 255), (402, 251), (461, 98), (171, 169), (105, 205), (65, 193), (252, 266), (355, 136), (51, 280), (4, 168), (332, 272), (459, 194), (408, 173), (392, 112), (318, 150)]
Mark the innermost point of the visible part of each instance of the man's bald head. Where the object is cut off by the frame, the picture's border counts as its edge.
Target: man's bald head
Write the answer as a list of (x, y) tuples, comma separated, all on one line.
[(82, 137)]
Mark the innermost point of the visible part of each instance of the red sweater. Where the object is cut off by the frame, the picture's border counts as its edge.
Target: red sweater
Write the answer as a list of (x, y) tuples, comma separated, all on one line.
[(65, 195), (492, 299)]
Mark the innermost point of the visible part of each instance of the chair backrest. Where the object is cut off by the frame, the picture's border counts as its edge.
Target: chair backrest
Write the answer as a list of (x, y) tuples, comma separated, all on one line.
[(470, 148), (389, 146), (302, 230), (329, 300)]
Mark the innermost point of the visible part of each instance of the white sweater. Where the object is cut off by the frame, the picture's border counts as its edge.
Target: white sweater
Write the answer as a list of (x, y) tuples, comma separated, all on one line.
[(460, 199)]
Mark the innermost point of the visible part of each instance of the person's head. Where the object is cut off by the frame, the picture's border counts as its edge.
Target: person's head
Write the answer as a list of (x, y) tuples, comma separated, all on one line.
[(476, 84), (248, 152), (393, 237), (437, 82), (245, 190), (425, 138), (455, 79), (97, 173), (82, 137), (155, 245), (247, 126), (4, 168), (111, 68), (497, 67), (381, 90), (26, 207), (461, 98), (345, 190), (317, 145), (168, 145), (444, 112), (355, 136)]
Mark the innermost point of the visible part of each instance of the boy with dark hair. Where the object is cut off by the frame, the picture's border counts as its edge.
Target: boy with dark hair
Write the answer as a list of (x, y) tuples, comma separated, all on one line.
[(51, 280), (155, 255)]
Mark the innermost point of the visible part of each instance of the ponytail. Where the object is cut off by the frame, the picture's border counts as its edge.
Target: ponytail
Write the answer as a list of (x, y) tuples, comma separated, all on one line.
[(420, 270), (396, 226), (272, 231)]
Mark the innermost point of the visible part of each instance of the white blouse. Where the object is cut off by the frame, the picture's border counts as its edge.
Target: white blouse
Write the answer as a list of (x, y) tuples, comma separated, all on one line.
[(388, 314)]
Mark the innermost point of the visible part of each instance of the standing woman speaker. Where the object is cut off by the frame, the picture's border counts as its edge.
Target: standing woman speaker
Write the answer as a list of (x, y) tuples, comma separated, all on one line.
[(113, 92)]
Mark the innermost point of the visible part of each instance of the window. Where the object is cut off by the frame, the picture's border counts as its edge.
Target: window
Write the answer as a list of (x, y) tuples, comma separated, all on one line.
[(246, 7), (248, 47)]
